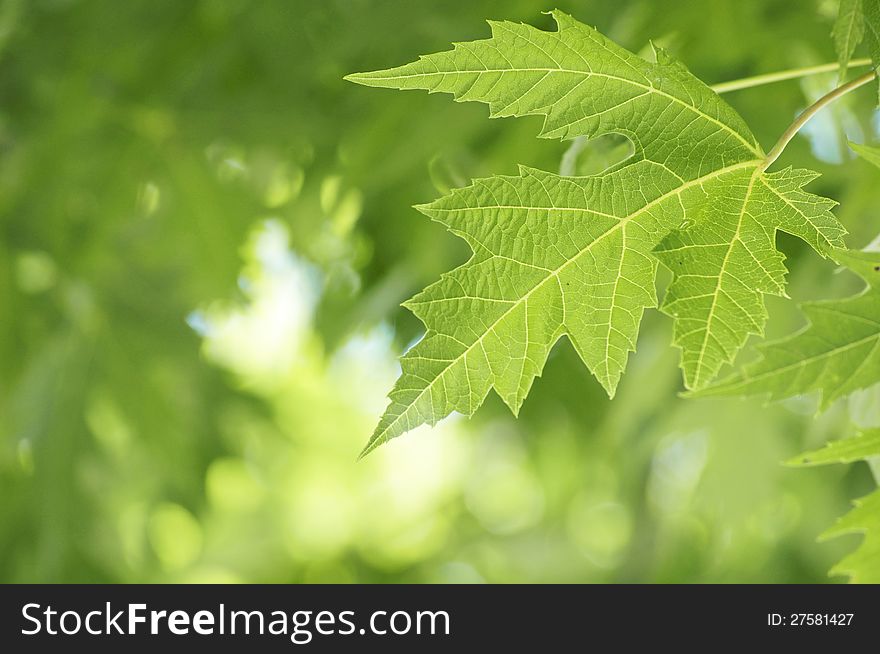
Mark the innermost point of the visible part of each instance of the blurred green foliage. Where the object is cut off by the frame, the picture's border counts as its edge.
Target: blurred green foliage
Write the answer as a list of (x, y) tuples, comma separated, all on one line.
[(204, 238)]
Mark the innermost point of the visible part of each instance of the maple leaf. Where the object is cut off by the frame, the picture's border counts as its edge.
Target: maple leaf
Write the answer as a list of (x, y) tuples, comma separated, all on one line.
[(848, 32), (871, 10), (837, 353), (862, 565), (578, 256), (857, 21)]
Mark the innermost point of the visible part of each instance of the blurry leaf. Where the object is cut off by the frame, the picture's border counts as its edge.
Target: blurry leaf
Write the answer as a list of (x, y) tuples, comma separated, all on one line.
[(848, 32), (572, 256), (866, 152), (845, 450), (872, 30), (863, 565), (836, 354)]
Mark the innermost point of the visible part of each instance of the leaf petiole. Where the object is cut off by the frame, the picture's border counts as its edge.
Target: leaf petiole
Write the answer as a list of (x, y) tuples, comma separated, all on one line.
[(811, 111)]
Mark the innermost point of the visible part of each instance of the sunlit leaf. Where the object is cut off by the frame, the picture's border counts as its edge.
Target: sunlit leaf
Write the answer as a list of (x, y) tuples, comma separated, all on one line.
[(561, 256), (836, 354)]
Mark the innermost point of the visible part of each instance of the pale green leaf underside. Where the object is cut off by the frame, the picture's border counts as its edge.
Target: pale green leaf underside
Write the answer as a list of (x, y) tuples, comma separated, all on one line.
[(862, 565), (837, 353), (577, 256), (848, 32)]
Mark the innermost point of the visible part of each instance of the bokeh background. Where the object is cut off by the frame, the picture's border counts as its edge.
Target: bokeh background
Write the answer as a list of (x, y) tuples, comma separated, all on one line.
[(205, 235)]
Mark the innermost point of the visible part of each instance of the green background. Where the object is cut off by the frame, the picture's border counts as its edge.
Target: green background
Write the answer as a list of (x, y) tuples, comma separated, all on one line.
[(205, 234)]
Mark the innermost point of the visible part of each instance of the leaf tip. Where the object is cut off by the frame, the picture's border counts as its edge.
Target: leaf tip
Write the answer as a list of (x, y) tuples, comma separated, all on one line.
[(558, 15), (356, 78), (371, 445), (429, 209), (610, 386)]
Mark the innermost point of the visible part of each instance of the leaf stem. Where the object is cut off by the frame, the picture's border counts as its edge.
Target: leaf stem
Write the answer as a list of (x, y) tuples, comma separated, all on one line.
[(811, 111), (782, 75)]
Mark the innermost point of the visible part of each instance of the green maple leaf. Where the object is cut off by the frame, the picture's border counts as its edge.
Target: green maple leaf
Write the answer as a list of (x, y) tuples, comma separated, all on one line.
[(848, 32), (863, 565), (578, 256), (836, 354), (857, 21), (871, 11)]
